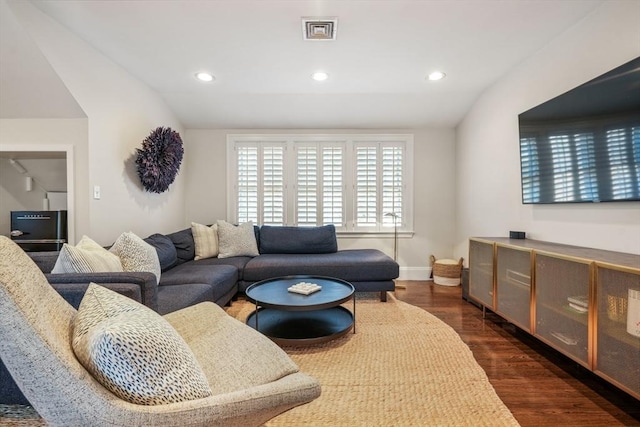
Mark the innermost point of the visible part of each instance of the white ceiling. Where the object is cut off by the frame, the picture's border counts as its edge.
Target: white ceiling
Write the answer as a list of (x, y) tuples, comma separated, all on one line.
[(377, 65)]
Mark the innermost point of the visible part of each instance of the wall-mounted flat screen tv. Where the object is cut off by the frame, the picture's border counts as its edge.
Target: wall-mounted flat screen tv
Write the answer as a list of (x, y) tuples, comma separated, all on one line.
[(584, 145)]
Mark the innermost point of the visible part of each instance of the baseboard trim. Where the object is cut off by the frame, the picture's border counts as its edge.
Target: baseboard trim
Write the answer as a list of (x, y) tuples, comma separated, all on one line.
[(415, 273)]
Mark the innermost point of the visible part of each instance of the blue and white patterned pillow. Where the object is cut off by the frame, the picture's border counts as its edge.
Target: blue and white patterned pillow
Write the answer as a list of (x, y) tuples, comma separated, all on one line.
[(136, 254), (134, 352)]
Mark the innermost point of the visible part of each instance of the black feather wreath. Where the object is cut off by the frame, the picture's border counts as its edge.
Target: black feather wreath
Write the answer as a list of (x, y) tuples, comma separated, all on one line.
[(159, 159)]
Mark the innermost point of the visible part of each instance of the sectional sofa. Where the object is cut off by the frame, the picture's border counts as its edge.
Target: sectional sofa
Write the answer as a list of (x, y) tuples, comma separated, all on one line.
[(185, 280)]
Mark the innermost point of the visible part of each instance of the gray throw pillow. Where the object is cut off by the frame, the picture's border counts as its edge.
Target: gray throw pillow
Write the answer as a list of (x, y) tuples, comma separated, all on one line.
[(236, 240), (136, 254)]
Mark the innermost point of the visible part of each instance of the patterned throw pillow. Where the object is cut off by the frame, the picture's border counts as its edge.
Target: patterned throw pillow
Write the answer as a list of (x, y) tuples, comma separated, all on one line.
[(206, 240), (236, 241), (86, 257), (136, 254), (134, 352)]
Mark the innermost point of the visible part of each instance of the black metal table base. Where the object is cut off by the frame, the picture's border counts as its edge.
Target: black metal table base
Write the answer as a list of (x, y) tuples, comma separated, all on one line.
[(301, 328)]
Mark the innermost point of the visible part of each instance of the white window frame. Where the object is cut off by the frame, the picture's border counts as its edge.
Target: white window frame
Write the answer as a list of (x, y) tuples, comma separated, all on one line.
[(349, 142)]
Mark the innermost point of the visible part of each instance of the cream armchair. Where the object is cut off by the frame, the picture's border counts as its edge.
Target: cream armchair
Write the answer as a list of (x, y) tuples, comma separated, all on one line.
[(252, 379)]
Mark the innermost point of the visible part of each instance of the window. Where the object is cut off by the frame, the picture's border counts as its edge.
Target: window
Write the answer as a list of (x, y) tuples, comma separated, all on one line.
[(359, 183)]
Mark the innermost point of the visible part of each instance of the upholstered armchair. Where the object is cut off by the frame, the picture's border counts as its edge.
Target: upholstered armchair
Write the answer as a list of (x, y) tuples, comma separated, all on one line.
[(251, 379)]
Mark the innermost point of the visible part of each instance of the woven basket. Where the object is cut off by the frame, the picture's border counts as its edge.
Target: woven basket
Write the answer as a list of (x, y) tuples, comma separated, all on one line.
[(617, 308), (446, 271)]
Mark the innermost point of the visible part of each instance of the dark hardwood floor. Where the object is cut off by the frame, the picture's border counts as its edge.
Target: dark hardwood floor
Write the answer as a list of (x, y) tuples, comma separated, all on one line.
[(540, 386)]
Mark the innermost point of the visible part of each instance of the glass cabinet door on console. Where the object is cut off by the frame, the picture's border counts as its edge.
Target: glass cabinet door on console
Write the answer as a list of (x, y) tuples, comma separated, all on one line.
[(617, 354), (562, 304), (583, 302), (481, 272), (513, 285)]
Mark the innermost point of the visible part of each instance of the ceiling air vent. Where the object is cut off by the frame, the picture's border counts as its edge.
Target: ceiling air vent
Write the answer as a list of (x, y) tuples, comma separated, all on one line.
[(319, 28)]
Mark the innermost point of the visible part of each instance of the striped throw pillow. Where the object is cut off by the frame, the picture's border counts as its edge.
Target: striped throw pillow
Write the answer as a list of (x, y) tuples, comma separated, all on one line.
[(205, 239), (86, 257)]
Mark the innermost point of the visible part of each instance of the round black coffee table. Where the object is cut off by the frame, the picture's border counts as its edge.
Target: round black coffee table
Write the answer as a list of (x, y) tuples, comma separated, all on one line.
[(294, 319)]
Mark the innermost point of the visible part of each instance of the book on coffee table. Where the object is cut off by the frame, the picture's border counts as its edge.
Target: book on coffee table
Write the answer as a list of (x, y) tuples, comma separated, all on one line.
[(304, 288)]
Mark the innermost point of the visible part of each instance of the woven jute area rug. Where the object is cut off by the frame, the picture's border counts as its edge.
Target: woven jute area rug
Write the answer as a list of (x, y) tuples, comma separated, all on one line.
[(402, 367)]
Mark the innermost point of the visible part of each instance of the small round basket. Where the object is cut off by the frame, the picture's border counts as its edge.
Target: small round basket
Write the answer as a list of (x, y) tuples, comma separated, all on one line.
[(446, 272)]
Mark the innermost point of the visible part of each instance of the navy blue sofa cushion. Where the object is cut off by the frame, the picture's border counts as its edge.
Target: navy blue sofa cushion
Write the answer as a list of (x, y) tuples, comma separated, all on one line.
[(167, 253), (184, 244), (354, 265), (192, 272), (237, 261), (298, 240), (190, 283)]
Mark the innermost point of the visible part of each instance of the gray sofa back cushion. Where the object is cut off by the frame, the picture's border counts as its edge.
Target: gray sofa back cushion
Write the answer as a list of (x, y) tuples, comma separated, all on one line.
[(298, 240), (184, 244), (45, 260), (167, 253)]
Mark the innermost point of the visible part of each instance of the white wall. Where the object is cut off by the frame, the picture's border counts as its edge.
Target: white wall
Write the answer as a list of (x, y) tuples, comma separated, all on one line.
[(121, 112), (434, 182), (487, 154)]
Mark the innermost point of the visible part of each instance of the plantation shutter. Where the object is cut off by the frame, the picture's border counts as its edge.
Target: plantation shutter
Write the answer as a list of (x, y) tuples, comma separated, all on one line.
[(247, 183), (260, 183), (333, 186), (392, 184), (366, 185), (273, 186), (319, 185), (353, 182), (307, 186)]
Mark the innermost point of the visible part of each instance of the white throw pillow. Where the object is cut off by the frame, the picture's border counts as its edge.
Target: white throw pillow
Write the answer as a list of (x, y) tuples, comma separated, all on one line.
[(86, 257), (134, 352), (136, 254), (236, 240), (205, 239)]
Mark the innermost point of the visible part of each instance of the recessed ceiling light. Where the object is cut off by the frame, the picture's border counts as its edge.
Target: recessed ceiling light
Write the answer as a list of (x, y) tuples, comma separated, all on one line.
[(320, 76), (436, 75), (204, 77)]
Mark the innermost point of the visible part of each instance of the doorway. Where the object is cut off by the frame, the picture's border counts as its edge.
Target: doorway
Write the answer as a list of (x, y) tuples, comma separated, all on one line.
[(36, 177)]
